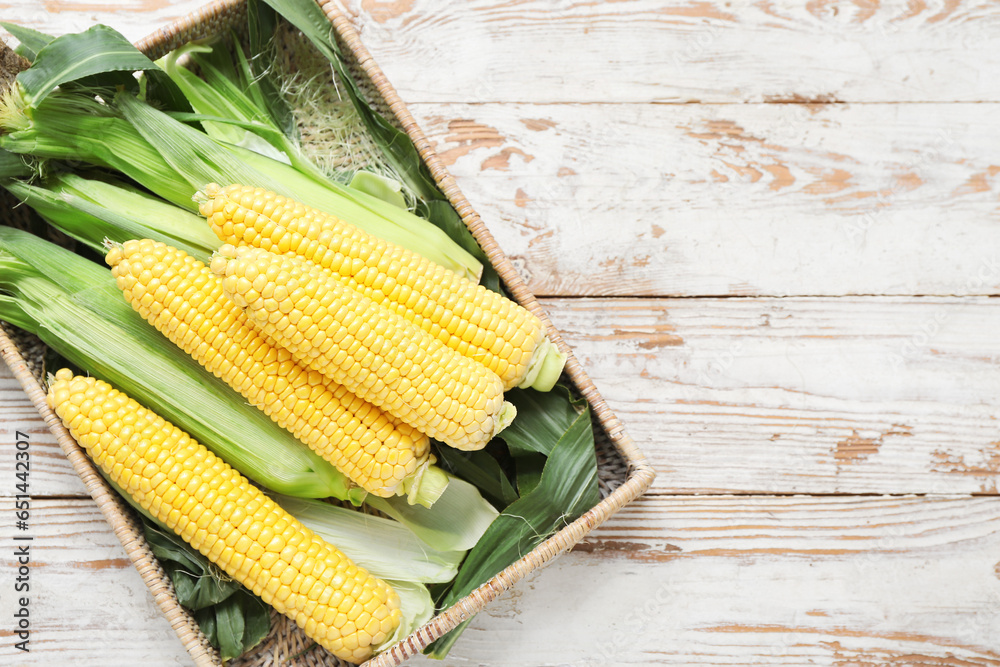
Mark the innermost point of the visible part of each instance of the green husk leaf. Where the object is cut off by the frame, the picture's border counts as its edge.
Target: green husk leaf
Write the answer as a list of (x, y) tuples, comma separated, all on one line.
[(31, 40), (235, 625), (529, 472), (73, 306), (256, 620), (95, 211), (234, 107), (252, 94), (383, 188), (542, 419), (250, 135), (483, 470), (443, 214), (199, 584), (221, 106), (229, 630), (568, 487), (396, 145), (255, 72), (97, 50), (384, 547), (206, 623), (13, 165), (157, 89), (153, 217), (73, 126), (193, 156), (455, 523), (166, 547)]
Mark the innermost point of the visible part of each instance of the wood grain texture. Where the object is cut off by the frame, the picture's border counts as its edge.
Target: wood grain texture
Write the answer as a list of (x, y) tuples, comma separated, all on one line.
[(684, 51), (639, 50), (795, 395), (859, 395), (737, 581), (88, 605), (766, 199), (826, 149), (133, 18), (50, 471), (669, 580)]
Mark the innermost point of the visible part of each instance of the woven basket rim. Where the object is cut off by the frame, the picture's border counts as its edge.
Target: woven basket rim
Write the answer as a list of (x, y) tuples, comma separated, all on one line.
[(640, 474)]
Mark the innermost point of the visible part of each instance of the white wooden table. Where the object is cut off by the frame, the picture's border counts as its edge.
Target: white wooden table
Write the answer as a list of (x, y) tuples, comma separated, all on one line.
[(771, 234)]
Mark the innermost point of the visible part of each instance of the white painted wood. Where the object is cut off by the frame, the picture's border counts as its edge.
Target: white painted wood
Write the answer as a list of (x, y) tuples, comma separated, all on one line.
[(768, 199), (640, 50), (669, 580), (737, 581), (756, 396), (679, 51), (133, 18), (51, 473), (862, 395), (88, 605)]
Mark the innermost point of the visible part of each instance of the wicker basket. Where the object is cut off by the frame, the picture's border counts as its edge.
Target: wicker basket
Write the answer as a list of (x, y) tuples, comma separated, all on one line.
[(617, 455)]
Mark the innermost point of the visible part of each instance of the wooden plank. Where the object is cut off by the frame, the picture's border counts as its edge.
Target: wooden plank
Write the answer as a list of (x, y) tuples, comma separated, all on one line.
[(839, 395), (737, 581), (133, 18), (712, 200), (640, 50), (669, 580), (87, 603), (842, 395), (680, 51), (50, 472), (738, 200)]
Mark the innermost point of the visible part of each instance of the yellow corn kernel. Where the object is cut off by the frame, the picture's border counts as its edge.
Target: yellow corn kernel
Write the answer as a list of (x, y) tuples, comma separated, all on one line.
[(359, 339), (450, 307), (200, 320), (274, 587)]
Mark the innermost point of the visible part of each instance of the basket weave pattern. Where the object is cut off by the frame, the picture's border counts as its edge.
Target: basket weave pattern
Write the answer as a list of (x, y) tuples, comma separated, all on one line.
[(286, 644)]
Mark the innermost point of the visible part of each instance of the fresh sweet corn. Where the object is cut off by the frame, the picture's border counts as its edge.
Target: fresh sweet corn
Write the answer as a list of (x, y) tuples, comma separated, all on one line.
[(218, 512), (183, 299), (468, 318), (373, 352), (71, 303)]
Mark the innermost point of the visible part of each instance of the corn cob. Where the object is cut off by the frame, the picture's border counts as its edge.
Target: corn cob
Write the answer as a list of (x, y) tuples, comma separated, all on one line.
[(183, 299), (373, 352), (216, 510), (72, 304), (470, 319)]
